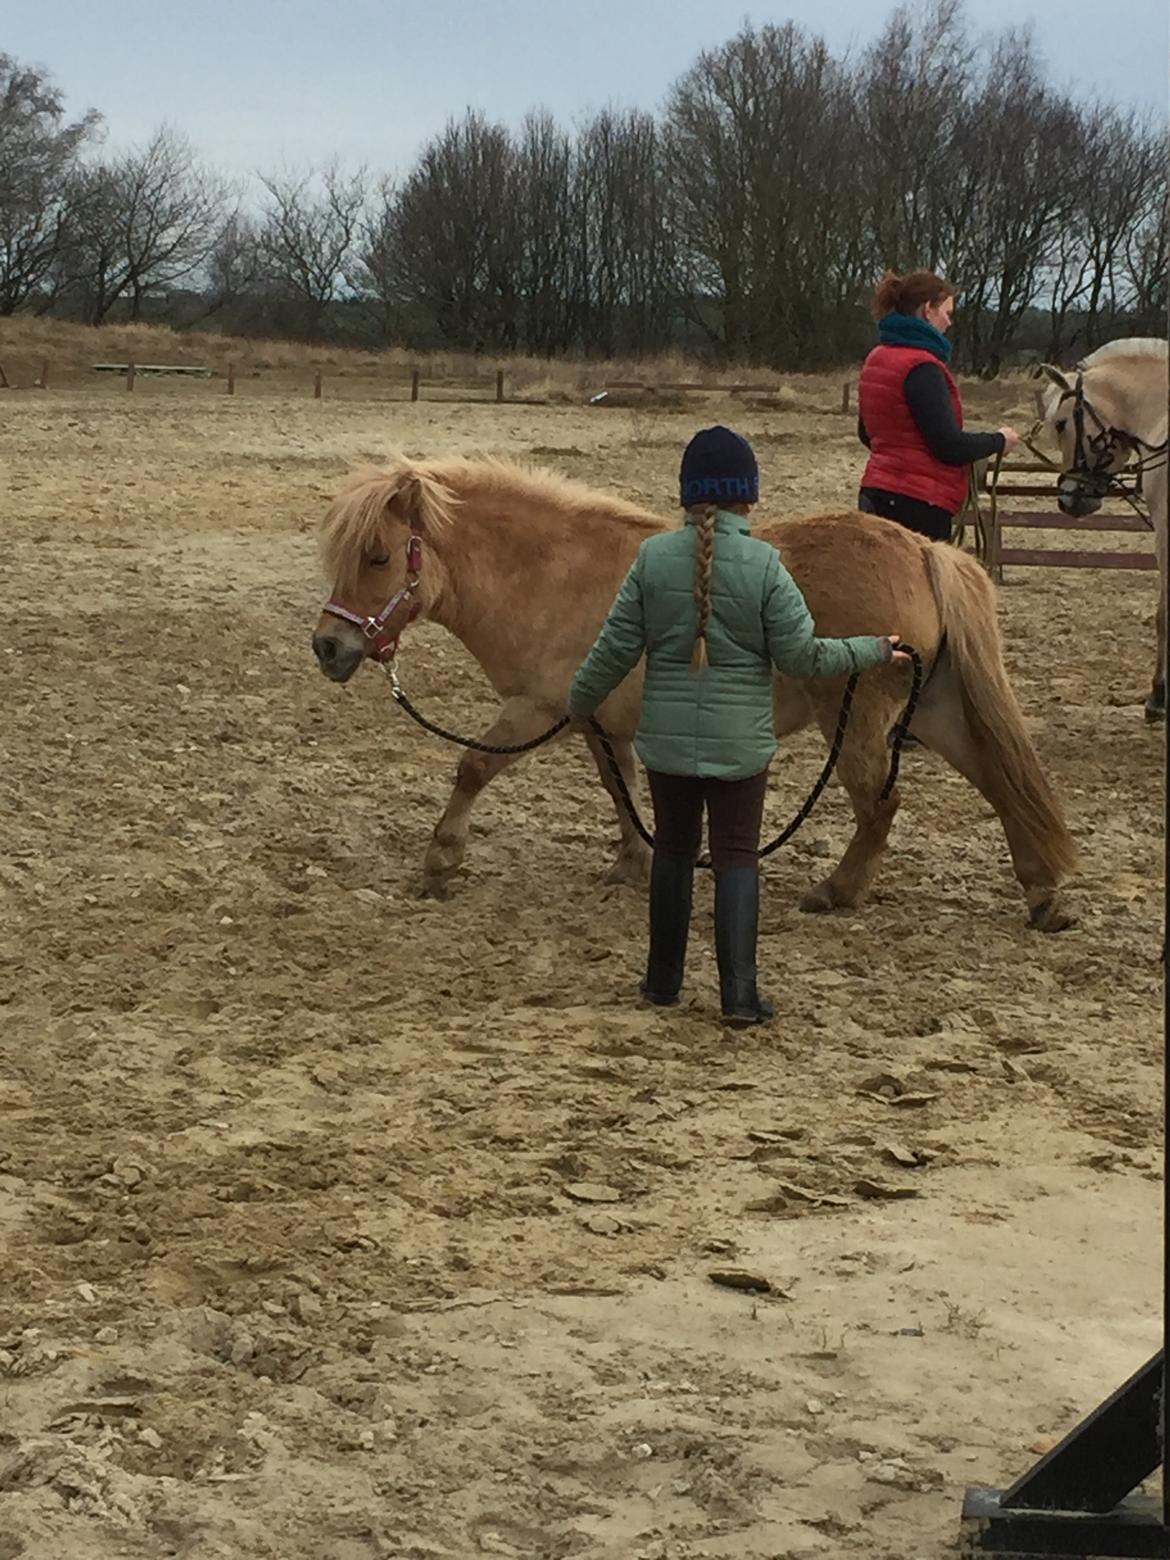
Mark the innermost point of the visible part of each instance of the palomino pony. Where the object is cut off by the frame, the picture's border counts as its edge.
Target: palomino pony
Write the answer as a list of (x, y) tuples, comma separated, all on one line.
[(1110, 417), (522, 567)]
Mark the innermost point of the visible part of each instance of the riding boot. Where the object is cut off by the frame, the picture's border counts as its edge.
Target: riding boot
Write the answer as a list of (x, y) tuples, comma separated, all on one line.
[(671, 885), (737, 917)]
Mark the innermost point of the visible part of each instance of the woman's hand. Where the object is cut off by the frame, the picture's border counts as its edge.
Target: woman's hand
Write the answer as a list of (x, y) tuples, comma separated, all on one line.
[(1010, 439)]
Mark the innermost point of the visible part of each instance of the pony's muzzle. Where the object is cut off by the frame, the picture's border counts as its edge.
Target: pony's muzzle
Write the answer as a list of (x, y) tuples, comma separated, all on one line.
[(1076, 499), (336, 656)]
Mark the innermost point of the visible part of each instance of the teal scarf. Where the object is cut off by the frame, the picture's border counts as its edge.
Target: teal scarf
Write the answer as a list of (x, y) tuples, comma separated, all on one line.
[(909, 330)]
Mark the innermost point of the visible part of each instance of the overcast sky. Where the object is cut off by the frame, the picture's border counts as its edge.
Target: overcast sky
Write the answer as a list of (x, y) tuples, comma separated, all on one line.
[(258, 84)]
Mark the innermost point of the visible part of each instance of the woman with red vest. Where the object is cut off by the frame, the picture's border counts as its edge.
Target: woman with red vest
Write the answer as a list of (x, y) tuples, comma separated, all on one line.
[(910, 414)]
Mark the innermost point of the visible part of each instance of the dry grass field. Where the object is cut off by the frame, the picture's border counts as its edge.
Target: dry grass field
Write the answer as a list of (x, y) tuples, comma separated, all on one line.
[(346, 1225)]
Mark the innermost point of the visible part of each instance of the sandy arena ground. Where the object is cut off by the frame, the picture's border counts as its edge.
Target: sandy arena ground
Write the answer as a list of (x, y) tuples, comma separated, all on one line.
[(342, 1225)]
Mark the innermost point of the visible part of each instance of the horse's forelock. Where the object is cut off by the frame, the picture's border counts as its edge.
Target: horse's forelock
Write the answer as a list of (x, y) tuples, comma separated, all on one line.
[(360, 519), (356, 524)]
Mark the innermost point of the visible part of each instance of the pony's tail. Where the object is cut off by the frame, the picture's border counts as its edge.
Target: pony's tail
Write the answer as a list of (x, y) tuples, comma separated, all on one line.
[(1012, 775), (704, 558)]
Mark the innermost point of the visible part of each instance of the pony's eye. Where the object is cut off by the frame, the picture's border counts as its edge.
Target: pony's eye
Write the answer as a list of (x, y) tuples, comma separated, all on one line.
[(379, 560), (1061, 424)]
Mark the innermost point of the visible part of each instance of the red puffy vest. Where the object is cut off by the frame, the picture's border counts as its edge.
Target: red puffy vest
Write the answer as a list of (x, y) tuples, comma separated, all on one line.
[(899, 458)]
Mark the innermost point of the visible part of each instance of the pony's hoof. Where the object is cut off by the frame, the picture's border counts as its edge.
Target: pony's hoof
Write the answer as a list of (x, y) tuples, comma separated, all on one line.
[(1050, 916), (629, 873), (818, 901)]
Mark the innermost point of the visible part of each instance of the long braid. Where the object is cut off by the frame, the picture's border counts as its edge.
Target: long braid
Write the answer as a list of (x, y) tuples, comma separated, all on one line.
[(704, 557)]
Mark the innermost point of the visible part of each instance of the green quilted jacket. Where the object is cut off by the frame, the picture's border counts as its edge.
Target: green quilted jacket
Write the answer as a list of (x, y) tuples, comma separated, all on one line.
[(719, 722)]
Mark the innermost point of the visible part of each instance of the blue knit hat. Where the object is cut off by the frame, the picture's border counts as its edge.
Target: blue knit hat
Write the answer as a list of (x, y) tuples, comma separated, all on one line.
[(718, 466)]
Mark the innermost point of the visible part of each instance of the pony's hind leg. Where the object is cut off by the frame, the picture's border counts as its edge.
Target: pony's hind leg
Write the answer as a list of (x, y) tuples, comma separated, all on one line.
[(632, 864), (519, 720), (862, 769), (941, 723)]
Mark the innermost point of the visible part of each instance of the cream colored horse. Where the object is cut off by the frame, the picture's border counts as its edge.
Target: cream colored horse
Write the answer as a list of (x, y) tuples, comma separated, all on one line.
[(1109, 415), (522, 567)]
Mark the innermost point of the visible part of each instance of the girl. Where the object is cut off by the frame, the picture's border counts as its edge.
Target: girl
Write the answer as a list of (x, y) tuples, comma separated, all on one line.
[(714, 610)]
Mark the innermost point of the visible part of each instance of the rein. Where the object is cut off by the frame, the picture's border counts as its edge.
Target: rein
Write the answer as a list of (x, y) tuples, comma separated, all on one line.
[(384, 650), (900, 732)]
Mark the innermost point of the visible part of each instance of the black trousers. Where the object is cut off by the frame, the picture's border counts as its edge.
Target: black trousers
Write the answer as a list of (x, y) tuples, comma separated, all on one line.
[(735, 813), (927, 519)]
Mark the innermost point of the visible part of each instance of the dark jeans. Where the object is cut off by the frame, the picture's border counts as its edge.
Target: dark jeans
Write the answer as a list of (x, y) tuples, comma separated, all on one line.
[(735, 812), (927, 519)]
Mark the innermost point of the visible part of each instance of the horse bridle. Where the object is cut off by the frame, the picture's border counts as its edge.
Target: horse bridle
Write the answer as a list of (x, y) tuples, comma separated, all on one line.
[(1099, 477), (384, 644)]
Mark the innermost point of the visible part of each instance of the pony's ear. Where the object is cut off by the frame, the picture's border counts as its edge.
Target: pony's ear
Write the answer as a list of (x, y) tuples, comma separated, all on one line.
[(406, 499), (402, 498), (414, 497), (1047, 371)]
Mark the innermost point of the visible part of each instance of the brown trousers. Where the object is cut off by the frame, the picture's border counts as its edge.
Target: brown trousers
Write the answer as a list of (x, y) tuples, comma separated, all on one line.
[(735, 813)]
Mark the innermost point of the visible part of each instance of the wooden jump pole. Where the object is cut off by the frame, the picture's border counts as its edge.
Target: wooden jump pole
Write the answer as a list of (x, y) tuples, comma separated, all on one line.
[(414, 384)]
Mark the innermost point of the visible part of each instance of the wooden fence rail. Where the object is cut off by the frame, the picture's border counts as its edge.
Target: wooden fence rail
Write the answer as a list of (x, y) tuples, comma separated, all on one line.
[(998, 557)]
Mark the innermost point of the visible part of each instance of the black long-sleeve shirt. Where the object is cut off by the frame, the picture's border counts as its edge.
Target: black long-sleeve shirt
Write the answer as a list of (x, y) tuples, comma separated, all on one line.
[(929, 399)]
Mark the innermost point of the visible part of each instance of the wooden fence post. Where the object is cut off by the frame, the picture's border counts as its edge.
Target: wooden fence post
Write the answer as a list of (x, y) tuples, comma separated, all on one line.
[(43, 381), (317, 386), (414, 384), (231, 384), (3, 378), (499, 384), (845, 396), (130, 372)]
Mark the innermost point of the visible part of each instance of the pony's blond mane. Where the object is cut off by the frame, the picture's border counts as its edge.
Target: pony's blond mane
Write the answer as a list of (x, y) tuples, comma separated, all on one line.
[(430, 494)]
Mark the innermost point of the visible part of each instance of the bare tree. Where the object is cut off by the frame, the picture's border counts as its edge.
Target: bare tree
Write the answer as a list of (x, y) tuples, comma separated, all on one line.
[(38, 153), (551, 267), (140, 221), (764, 137), (453, 234), (1145, 270), (310, 228), (1117, 173), (375, 273), (752, 217), (913, 84), (234, 272), (627, 260), (1010, 194), (169, 213)]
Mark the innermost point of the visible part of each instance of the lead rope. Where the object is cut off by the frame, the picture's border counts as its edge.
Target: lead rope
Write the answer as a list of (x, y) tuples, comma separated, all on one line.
[(619, 780)]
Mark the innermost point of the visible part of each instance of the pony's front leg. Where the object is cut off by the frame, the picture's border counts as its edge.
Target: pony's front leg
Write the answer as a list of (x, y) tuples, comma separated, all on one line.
[(862, 769), (632, 864), (519, 721)]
